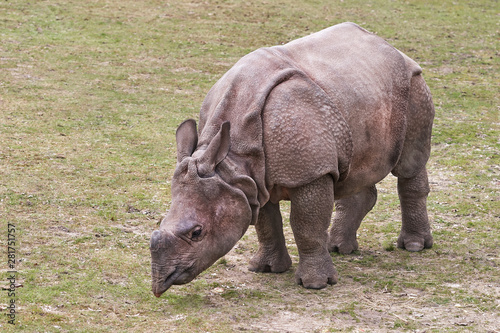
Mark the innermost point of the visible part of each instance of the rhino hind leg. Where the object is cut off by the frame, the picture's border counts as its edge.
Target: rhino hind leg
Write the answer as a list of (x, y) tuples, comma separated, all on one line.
[(349, 212), (311, 210), (272, 255), (415, 230), (413, 184)]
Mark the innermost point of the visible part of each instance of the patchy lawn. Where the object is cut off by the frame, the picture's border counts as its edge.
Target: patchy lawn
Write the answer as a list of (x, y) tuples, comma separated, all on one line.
[(90, 95)]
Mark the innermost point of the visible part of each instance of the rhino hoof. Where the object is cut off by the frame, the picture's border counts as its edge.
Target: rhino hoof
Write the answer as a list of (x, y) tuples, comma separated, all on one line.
[(260, 264), (316, 274), (317, 283), (415, 245), (343, 247)]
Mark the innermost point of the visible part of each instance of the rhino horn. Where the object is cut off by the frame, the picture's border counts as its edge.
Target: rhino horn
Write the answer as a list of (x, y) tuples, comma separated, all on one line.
[(156, 240), (216, 151), (187, 139)]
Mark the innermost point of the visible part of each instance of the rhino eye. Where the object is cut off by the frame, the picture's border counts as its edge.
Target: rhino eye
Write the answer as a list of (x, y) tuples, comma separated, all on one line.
[(196, 234)]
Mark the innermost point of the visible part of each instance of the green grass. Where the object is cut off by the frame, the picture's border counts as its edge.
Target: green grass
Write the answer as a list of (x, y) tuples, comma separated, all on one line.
[(90, 96)]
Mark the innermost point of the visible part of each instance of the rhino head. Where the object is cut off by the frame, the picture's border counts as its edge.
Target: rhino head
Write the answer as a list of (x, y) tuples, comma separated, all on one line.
[(208, 215)]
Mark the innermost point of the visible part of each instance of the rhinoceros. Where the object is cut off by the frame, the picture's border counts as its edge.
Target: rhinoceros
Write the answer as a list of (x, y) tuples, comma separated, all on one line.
[(318, 121)]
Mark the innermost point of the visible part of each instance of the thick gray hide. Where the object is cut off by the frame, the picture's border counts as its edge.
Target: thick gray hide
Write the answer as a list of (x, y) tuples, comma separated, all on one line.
[(322, 118)]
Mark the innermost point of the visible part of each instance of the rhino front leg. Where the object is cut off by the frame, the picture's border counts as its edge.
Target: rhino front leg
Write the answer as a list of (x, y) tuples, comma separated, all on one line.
[(272, 255), (415, 231), (311, 210), (349, 212)]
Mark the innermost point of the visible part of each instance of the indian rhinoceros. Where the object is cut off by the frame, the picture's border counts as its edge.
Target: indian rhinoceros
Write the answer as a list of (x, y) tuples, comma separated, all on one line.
[(318, 121)]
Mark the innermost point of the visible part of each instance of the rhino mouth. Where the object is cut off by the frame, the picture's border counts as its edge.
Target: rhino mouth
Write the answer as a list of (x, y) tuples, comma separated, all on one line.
[(177, 276), (161, 284)]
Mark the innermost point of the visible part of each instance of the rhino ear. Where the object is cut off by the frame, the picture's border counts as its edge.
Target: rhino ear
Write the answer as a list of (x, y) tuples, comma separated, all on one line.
[(216, 151), (187, 139)]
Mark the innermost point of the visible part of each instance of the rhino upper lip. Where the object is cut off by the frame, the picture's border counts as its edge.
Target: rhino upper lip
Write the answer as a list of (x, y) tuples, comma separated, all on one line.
[(161, 286)]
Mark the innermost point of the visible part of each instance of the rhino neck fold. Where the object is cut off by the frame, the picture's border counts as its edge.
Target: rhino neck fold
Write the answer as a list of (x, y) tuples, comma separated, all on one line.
[(230, 171)]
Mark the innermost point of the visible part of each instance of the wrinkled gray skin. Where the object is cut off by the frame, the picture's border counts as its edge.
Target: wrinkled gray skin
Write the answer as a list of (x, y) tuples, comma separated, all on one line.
[(318, 121)]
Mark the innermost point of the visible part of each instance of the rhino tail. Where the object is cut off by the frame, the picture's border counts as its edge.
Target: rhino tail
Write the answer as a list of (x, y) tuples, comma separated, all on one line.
[(411, 65)]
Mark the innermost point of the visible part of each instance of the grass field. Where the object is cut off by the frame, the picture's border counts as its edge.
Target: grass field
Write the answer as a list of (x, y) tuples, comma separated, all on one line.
[(90, 95)]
